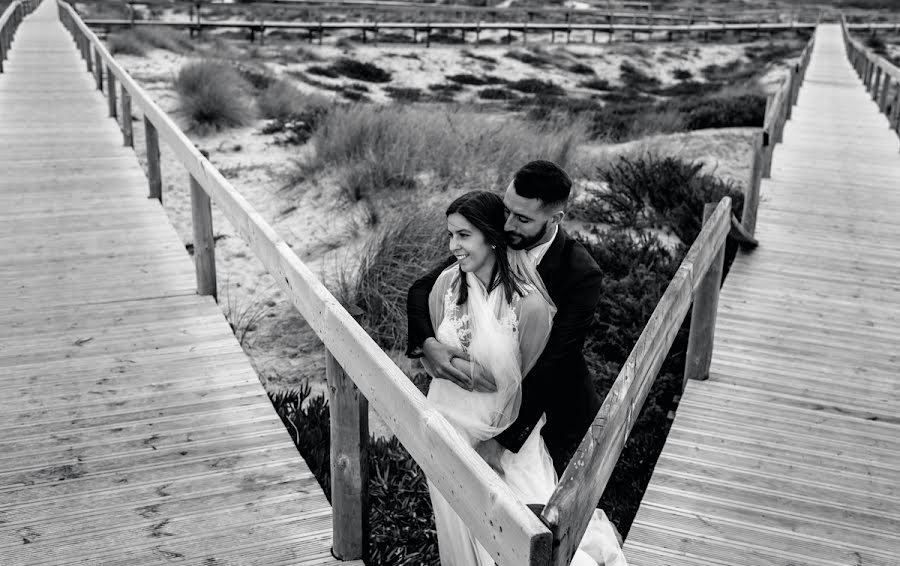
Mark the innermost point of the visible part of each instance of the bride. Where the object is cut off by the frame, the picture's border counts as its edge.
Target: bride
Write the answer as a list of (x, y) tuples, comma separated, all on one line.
[(492, 304)]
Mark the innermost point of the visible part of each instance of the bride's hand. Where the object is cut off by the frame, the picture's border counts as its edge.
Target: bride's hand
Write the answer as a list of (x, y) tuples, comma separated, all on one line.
[(480, 380), (440, 358)]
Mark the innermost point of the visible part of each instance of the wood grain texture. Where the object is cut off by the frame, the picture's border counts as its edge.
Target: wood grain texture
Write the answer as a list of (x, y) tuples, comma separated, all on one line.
[(790, 453), (133, 429)]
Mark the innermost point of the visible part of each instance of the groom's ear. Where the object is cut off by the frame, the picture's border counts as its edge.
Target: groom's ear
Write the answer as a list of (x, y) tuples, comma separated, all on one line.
[(557, 217)]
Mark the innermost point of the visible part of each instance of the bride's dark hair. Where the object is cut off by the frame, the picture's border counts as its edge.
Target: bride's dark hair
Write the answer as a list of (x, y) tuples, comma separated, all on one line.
[(485, 211)]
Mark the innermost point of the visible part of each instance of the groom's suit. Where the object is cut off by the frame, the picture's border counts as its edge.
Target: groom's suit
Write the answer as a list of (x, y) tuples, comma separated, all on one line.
[(559, 384)]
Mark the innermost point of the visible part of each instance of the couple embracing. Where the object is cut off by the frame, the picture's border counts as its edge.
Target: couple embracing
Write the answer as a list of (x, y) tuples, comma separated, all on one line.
[(500, 327)]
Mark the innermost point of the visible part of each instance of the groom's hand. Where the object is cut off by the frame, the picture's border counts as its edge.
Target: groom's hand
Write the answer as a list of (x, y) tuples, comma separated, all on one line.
[(440, 358)]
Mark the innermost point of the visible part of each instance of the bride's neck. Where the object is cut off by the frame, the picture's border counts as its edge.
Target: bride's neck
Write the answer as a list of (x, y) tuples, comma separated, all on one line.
[(484, 274)]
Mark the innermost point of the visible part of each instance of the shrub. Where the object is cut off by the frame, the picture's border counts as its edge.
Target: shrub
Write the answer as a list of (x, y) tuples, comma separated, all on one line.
[(581, 69), (164, 38), (745, 110), (213, 95), (259, 78), (877, 44), (399, 504), (392, 147), (323, 71), (537, 86), (535, 57), (357, 70), (595, 84), (404, 94), (682, 74), (448, 88), (654, 192), (494, 93), (635, 79)]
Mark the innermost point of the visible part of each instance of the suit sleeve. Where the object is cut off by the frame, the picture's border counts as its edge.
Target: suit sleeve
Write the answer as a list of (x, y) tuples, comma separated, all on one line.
[(570, 328), (419, 326)]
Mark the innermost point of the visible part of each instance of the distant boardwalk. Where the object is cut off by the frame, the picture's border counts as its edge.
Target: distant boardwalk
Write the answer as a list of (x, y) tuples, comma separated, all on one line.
[(132, 427), (790, 453)]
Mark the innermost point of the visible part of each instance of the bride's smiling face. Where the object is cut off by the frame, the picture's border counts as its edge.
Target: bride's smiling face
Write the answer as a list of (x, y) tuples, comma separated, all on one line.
[(467, 243)]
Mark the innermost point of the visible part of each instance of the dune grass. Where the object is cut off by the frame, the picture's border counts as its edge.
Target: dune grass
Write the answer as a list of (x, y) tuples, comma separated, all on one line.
[(213, 95), (403, 147)]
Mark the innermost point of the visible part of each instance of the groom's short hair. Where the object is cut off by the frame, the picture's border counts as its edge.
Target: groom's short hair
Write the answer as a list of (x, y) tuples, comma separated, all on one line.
[(543, 180)]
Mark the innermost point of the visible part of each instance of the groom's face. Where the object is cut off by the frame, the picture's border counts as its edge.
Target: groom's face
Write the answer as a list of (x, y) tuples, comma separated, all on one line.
[(527, 219)]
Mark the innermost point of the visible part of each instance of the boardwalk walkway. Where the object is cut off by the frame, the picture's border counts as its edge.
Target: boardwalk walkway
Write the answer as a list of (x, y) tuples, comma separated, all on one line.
[(790, 453), (133, 429)]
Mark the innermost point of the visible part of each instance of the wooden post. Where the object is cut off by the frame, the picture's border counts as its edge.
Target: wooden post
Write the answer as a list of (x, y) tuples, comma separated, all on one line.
[(127, 129), (703, 315), (876, 84), (204, 242), (98, 69), (751, 199), (111, 93), (885, 88), (154, 175), (349, 463), (793, 79)]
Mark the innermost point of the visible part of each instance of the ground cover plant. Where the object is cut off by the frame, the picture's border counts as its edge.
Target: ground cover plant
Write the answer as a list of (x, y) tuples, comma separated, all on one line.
[(644, 192)]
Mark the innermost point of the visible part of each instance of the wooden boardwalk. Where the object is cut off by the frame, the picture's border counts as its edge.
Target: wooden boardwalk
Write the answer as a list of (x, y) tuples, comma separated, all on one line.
[(790, 453), (133, 429)]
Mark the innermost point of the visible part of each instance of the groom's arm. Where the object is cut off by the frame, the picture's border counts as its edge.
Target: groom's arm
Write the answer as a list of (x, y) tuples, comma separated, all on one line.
[(570, 326), (417, 315)]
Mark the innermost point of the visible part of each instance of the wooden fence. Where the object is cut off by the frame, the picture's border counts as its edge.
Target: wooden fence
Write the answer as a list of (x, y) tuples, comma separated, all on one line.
[(12, 16), (504, 525), (880, 76)]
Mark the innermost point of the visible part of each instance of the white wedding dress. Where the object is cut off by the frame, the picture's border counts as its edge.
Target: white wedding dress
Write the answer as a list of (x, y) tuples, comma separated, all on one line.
[(505, 338)]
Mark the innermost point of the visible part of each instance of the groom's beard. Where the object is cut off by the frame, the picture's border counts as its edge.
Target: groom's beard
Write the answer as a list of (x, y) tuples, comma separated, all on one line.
[(520, 242)]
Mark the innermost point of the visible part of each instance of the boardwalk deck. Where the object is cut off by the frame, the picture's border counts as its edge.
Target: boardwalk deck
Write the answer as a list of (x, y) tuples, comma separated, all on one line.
[(133, 429), (790, 453)]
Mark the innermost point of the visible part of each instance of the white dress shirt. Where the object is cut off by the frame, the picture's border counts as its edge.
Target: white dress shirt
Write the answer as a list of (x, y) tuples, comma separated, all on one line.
[(537, 253)]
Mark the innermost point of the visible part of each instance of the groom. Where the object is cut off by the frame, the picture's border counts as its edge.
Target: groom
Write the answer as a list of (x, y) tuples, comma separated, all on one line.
[(559, 384)]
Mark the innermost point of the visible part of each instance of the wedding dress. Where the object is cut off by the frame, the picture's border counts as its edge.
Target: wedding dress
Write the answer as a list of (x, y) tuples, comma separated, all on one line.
[(505, 338)]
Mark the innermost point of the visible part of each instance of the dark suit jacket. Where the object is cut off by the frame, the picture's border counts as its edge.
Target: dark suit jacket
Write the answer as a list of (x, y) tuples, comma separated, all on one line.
[(559, 384)]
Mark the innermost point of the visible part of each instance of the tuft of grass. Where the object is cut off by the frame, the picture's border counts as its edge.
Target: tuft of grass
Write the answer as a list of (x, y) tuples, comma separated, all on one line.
[(323, 71), (474, 80), (282, 101), (535, 56), (877, 44), (682, 74), (125, 43), (738, 111), (213, 95), (380, 148)]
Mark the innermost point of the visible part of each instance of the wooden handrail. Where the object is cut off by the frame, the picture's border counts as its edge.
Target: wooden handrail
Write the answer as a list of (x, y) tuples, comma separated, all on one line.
[(877, 74), (503, 524), (570, 507), (12, 16), (778, 111)]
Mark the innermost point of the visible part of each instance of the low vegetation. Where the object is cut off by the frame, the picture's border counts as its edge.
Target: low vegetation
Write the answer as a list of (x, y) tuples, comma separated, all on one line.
[(213, 95), (140, 40)]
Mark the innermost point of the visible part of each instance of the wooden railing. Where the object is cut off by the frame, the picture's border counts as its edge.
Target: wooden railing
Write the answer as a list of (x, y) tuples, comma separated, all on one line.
[(504, 525), (9, 23), (697, 281), (778, 111), (880, 77)]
